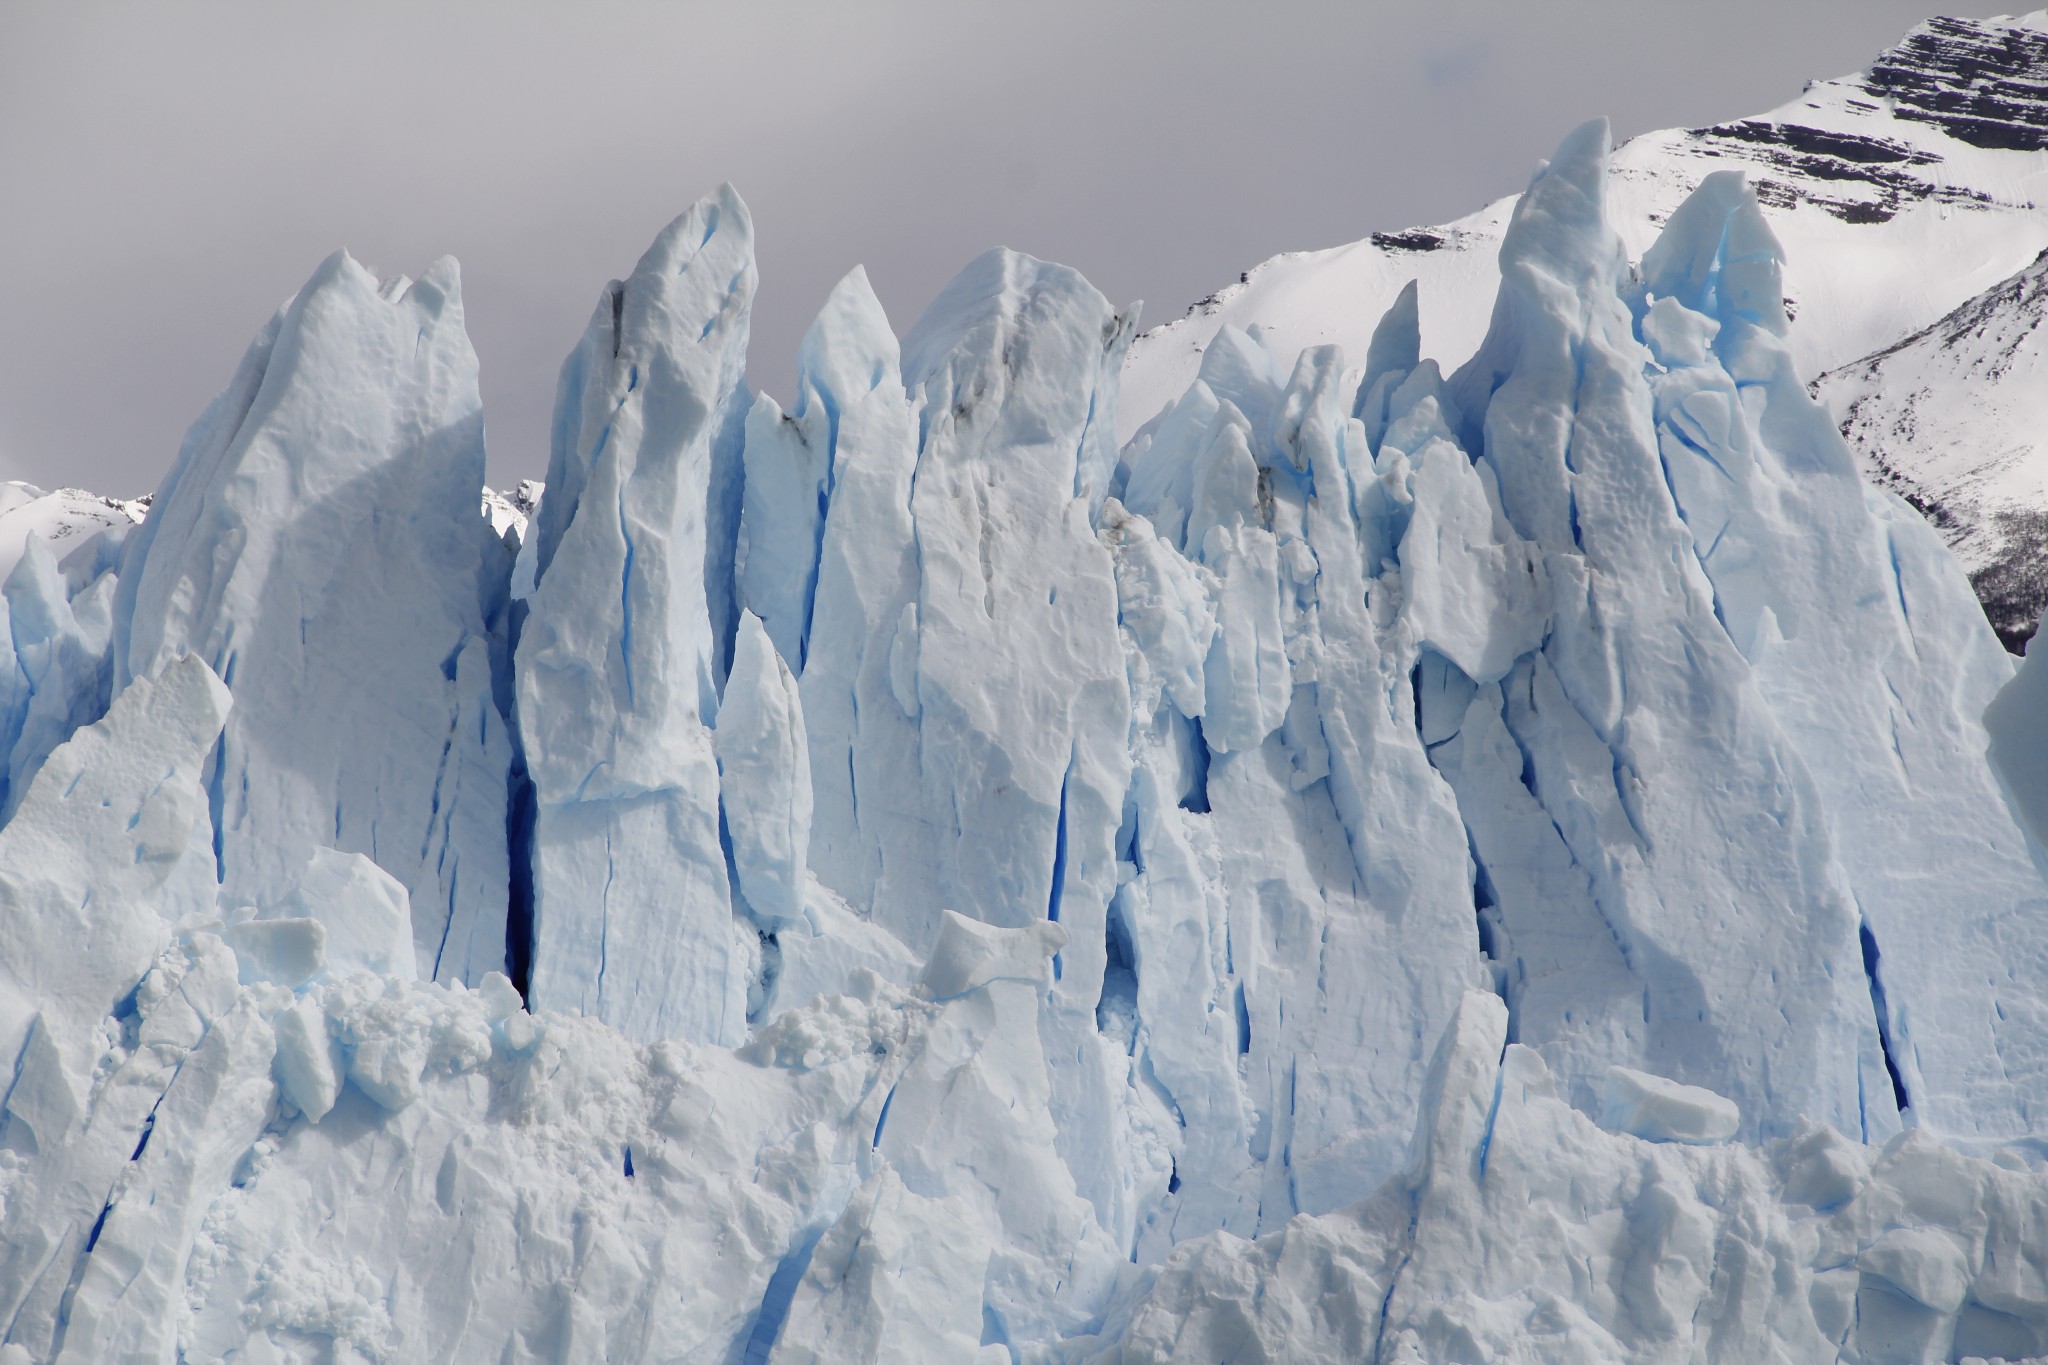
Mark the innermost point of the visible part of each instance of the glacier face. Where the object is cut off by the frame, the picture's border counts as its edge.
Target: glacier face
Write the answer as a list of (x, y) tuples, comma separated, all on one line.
[(1382, 865)]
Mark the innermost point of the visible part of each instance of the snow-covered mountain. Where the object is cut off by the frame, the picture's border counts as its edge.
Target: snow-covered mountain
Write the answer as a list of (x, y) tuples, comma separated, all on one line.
[(1381, 866), (60, 520), (1955, 419), (1901, 193)]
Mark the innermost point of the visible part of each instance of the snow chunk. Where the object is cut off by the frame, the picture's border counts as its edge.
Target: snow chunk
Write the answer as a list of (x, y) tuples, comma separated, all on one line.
[(310, 1064), (1923, 1264), (1664, 1111), (970, 954), (361, 907)]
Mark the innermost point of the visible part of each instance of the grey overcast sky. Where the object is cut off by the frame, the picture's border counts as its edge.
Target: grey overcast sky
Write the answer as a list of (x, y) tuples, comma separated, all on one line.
[(169, 173)]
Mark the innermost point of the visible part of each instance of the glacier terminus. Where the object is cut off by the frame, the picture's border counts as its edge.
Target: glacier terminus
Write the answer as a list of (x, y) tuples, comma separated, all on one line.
[(1055, 844)]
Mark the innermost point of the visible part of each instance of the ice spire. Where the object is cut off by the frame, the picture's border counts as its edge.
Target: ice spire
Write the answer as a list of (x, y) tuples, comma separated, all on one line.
[(620, 656), (318, 543), (858, 675), (847, 358), (1636, 727), (1870, 648), (764, 780)]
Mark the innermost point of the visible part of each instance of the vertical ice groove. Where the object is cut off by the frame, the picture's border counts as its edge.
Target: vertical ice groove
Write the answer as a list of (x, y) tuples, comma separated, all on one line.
[(776, 1299), (1868, 942)]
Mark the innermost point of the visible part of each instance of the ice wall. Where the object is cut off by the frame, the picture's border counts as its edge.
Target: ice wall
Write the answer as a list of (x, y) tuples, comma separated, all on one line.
[(1639, 732), (1873, 660), (1382, 867), (1522, 1232)]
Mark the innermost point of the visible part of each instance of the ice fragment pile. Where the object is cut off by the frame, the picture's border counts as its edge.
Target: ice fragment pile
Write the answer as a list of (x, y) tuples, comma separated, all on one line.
[(1384, 865)]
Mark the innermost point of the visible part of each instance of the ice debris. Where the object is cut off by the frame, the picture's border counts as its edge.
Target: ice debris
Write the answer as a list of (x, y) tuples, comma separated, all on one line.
[(1658, 1110)]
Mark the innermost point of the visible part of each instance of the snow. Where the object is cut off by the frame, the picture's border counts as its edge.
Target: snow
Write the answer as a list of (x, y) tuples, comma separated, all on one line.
[(1379, 867)]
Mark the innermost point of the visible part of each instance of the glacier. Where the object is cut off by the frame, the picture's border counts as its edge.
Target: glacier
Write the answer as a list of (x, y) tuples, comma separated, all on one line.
[(1529, 859)]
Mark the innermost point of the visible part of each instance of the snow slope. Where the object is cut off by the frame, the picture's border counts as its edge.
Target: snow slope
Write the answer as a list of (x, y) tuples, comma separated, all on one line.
[(1382, 866), (1955, 419), (62, 520)]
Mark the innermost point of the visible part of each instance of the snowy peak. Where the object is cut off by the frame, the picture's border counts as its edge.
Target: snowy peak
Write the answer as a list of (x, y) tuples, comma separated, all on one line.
[(510, 513), (1808, 160), (64, 520), (1866, 147)]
